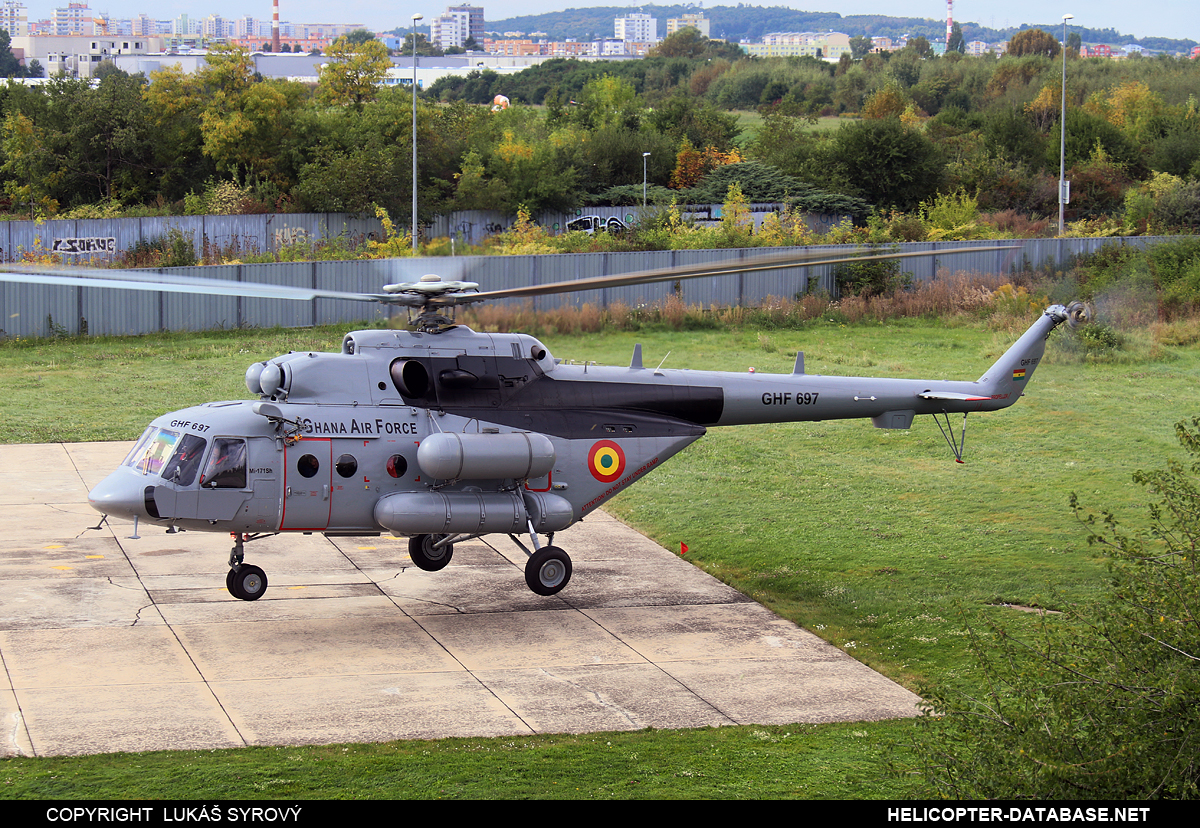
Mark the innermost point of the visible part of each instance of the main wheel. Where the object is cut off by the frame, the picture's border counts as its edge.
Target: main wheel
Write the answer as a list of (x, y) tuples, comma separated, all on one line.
[(427, 556), (247, 582), (548, 570)]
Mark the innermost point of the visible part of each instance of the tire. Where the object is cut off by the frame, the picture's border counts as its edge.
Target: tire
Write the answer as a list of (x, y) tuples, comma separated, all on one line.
[(428, 557), (548, 570), (249, 582)]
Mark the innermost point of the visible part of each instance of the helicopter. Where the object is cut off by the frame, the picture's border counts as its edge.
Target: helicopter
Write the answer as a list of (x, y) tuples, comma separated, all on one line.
[(442, 434)]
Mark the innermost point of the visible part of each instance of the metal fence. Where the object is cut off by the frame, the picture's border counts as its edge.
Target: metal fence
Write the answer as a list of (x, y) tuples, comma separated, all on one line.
[(86, 241), (42, 310)]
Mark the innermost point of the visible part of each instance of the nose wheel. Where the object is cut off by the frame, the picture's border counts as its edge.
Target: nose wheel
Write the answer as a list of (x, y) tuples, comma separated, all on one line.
[(244, 581)]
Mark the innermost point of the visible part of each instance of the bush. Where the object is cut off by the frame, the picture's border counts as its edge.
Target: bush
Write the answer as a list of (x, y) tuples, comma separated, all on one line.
[(1105, 704), (878, 277)]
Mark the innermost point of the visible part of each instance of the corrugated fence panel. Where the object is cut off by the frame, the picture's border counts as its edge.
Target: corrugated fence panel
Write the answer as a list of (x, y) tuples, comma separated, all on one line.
[(28, 311), (634, 295), (350, 277), (119, 312), (201, 311), (286, 313)]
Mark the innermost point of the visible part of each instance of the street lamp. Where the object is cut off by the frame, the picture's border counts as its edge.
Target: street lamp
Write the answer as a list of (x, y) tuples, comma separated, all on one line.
[(415, 18), (1062, 140), (645, 155)]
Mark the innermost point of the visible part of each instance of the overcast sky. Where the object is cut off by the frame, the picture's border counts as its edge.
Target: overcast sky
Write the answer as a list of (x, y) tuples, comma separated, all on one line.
[(1147, 18)]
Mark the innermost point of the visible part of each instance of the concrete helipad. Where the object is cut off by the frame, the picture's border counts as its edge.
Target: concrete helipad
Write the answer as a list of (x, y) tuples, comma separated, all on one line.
[(110, 643)]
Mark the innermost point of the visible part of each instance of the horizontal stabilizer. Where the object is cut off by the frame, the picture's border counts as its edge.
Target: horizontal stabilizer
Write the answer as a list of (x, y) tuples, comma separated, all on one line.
[(951, 395)]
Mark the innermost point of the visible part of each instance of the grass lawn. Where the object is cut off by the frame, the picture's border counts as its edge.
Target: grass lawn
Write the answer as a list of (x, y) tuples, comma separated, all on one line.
[(875, 540)]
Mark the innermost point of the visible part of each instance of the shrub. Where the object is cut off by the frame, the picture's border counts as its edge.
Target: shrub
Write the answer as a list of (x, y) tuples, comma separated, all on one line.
[(877, 277), (1105, 703)]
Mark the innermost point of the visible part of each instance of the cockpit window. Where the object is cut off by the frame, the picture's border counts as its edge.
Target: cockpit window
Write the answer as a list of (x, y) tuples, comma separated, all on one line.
[(185, 462), (139, 446), (226, 467), (152, 451)]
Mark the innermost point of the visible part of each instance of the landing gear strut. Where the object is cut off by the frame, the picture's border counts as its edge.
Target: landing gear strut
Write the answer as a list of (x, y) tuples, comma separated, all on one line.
[(243, 580), (548, 569)]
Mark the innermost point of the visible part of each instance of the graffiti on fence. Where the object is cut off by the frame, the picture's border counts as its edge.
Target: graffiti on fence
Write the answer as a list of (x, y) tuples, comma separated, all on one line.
[(290, 235), (590, 224), (84, 246)]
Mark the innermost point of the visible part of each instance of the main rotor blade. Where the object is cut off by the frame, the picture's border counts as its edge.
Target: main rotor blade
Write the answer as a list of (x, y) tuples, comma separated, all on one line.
[(174, 283), (667, 274)]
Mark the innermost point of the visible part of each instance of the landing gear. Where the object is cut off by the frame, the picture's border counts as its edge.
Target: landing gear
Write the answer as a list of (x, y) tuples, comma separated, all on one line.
[(243, 580), (548, 570), (426, 555), (247, 582)]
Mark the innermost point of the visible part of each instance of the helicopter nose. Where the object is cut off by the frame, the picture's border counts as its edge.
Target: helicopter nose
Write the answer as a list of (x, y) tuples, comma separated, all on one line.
[(120, 496)]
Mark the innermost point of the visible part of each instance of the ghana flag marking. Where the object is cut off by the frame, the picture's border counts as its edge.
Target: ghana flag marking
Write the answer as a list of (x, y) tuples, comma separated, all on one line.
[(1018, 374), (606, 461)]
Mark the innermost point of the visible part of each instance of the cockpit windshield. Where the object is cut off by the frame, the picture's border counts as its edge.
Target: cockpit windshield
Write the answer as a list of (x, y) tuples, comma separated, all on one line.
[(152, 450)]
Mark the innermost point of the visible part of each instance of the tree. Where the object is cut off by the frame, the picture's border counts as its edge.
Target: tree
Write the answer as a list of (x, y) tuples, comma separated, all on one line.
[(359, 36), (1105, 703), (888, 163), (10, 67), (354, 71), (424, 47), (607, 101), (1033, 42), (29, 172), (920, 45), (683, 116), (860, 47), (957, 42), (689, 43)]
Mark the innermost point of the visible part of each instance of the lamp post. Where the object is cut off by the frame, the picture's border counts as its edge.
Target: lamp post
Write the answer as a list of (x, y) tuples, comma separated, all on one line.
[(1062, 140), (645, 155), (415, 18)]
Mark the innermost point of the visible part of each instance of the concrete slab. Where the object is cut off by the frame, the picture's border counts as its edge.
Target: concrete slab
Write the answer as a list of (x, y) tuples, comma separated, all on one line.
[(116, 643)]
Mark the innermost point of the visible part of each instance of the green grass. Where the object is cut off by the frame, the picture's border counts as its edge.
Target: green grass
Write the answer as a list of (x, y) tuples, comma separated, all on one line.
[(876, 540), (800, 761)]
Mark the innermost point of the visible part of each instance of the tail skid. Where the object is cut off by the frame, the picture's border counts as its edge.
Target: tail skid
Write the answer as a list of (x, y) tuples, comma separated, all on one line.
[(1008, 376)]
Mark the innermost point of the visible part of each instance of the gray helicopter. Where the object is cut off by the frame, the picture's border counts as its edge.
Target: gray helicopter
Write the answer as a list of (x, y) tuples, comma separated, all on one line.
[(442, 434)]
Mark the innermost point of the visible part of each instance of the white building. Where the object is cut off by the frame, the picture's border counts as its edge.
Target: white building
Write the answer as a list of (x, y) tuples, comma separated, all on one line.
[(450, 29), (694, 21), (216, 27), (79, 56), (636, 28), (75, 19), (14, 19), (456, 25)]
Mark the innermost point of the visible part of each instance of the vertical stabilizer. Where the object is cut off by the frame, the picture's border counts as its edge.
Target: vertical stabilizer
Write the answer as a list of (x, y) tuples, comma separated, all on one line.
[(1012, 371)]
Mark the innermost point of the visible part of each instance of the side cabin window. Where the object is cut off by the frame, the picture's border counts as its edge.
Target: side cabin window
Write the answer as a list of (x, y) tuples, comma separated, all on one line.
[(226, 467)]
